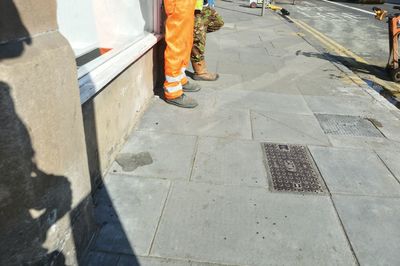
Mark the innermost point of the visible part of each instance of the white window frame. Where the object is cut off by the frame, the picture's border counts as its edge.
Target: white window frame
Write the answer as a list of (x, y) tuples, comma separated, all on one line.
[(94, 76)]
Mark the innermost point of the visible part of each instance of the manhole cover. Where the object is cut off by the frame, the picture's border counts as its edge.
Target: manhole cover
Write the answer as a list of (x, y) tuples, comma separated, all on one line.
[(347, 126), (292, 169)]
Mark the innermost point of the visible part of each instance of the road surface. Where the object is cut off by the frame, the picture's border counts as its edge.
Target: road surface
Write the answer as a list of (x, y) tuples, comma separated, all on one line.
[(351, 25)]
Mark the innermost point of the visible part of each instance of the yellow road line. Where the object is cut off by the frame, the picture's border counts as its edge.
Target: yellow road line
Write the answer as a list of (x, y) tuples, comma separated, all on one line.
[(333, 46), (348, 56)]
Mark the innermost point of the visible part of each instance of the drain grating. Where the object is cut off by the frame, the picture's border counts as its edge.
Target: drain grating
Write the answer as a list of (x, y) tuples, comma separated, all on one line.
[(347, 126), (292, 169)]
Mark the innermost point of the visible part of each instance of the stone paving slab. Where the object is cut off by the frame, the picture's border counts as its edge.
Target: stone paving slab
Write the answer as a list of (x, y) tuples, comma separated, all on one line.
[(293, 65), (262, 101), (390, 128), (231, 162), (363, 142), (355, 106), (250, 70), (225, 82), (138, 203), (232, 56), (358, 172), (328, 87), (372, 225), (249, 226), (392, 161), (212, 122), (179, 151), (210, 203), (272, 83), (287, 128)]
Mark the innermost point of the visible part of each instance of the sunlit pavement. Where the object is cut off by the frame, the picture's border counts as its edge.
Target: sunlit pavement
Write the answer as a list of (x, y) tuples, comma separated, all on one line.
[(197, 189)]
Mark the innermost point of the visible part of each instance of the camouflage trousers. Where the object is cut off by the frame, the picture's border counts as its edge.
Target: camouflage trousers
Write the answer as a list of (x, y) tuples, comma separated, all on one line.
[(206, 21)]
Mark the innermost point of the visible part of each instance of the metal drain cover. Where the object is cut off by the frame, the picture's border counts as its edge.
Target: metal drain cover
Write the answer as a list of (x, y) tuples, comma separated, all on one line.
[(347, 126), (292, 169)]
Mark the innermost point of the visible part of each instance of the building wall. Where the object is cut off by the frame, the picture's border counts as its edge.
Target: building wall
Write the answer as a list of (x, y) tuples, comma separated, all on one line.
[(111, 115), (48, 141)]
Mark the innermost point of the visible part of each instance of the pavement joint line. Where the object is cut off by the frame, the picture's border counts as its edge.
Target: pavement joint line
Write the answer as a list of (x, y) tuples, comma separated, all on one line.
[(126, 174), (292, 128), (367, 195), (192, 181), (160, 218), (350, 7), (188, 260), (252, 187), (93, 238), (384, 163), (347, 54), (242, 185), (114, 253), (329, 194), (196, 148), (189, 135), (121, 254), (251, 124), (344, 231), (265, 164), (170, 180)]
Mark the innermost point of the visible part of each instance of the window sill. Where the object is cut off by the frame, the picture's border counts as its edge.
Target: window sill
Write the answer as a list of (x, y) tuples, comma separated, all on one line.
[(94, 81)]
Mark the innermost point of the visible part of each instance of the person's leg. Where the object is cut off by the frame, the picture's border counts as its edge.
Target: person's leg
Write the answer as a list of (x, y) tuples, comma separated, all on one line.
[(199, 40), (214, 20), (179, 29), (199, 47), (188, 86)]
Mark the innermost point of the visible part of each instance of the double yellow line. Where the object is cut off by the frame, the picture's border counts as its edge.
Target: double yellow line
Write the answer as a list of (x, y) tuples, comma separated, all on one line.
[(348, 56)]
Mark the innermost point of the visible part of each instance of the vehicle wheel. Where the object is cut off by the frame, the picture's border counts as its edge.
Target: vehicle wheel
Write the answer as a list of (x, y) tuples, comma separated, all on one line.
[(395, 74), (253, 5)]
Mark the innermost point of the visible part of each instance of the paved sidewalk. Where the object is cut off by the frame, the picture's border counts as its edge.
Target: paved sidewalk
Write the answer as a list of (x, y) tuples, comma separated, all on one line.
[(191, 187)]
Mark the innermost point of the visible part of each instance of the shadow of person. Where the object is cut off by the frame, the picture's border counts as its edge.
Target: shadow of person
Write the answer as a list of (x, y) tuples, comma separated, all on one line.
[(31, 201), (12, 28)]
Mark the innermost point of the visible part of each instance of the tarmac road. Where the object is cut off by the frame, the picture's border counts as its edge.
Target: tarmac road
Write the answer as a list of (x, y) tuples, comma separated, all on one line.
[(351, 25)]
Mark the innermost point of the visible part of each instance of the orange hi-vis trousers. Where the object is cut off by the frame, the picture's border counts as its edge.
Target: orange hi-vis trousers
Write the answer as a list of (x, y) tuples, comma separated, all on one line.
[(179, 38)]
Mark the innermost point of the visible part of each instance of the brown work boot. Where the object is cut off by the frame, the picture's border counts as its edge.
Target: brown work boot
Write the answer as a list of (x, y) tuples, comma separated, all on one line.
[(183, 101), (201, 73), (191, 87)]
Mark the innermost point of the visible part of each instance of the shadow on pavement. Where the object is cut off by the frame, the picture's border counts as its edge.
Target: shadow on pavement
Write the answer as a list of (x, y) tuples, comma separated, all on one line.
[(362, 68), (351, 63)]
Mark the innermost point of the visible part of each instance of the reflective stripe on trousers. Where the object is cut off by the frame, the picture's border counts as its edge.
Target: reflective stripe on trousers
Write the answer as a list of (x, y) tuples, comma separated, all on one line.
[(179, 38)]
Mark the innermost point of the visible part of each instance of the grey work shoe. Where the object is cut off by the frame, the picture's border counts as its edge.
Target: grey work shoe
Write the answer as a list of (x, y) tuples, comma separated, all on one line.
[(184, 101), (191, 87)]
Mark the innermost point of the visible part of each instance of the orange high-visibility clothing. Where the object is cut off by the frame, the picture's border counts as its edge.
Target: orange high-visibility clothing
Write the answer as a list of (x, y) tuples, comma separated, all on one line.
[(179, 38)]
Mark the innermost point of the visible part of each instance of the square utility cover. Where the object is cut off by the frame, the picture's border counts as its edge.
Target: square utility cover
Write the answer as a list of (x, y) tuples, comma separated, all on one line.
[(347, 126), (292, 169)]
